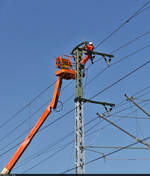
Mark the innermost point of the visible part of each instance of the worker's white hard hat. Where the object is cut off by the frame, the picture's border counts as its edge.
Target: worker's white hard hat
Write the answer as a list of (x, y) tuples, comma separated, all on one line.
[(90, 43)]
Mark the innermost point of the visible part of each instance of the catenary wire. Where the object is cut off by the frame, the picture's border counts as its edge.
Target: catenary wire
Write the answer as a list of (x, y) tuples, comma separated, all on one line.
[(54, 153), (136, 14), (116, 147), (130, 159), (20, 124), (108, 154), (72, 141), (125, 76), (109, 87), (124, 45), (121, 59), (26, 130), (96, 94), (95, 126), (114, 63), (140, 10), (57, 142), (93, 96), (131, 41), (24, 107)]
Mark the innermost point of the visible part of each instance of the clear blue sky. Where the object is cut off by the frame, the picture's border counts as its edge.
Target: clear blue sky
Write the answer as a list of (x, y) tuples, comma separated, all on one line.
[(32, 34)]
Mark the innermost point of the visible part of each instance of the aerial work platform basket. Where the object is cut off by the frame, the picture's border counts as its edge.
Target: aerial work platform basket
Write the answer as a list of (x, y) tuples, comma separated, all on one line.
[(64, 67)]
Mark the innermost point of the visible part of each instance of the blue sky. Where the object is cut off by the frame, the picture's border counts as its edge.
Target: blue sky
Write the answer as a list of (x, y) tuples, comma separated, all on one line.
[(32, 34)]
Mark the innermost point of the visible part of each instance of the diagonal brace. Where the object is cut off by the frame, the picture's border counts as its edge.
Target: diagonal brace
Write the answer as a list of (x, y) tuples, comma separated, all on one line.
[(129, 134), (130, 99)]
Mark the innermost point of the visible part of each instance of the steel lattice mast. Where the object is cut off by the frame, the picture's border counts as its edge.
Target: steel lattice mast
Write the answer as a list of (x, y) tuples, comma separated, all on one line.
[(79, 131)]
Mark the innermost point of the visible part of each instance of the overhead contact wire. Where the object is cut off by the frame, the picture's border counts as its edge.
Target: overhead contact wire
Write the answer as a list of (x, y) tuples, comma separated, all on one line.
[(140, 10)]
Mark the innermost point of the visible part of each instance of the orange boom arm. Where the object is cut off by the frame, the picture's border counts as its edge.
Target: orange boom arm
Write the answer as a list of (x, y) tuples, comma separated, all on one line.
[(28, 139), (64, 70)]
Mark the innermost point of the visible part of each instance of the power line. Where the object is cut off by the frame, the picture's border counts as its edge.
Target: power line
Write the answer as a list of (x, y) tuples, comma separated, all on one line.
[(131, 41), (139, 11), (134, 94), (55, 152), (10, 149), (125, 76), (125, 45), (54, 144), (38, 131), (96, 124), (98, 93), (116, 147), (86, 131), (127, 159), (24, 107), (93, 96), (134, 52), (109, 115), (129, 117), (20, 124), (121, 59), (127, 108), (45, 159), (14, 140), (62, 148), (35, 155), (108, 154), (121, 129)]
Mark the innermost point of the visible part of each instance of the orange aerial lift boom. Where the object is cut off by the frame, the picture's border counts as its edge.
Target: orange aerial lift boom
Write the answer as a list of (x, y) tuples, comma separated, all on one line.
[(64, 70)]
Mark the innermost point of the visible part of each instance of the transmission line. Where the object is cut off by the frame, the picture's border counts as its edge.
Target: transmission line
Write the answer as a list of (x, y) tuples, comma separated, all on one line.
[(56, 143), (24, 107), (62, 148), (99, 93), (125, 76), (131, 41), (73, 140), (121, 59), (139, 11), (20, 124), (96, 124), (95, 95), (108, 154)]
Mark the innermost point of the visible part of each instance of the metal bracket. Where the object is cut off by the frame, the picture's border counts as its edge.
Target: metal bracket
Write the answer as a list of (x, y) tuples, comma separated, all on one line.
[(78, 47), (93, 52), (92, 101)]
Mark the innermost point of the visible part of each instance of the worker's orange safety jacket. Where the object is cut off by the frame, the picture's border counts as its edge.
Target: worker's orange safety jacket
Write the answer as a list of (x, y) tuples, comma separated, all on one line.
[(88, 54), (89, 47)]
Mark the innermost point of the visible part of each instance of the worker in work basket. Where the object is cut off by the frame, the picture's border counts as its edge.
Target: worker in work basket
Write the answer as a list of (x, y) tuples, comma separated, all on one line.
[(88, 47)]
